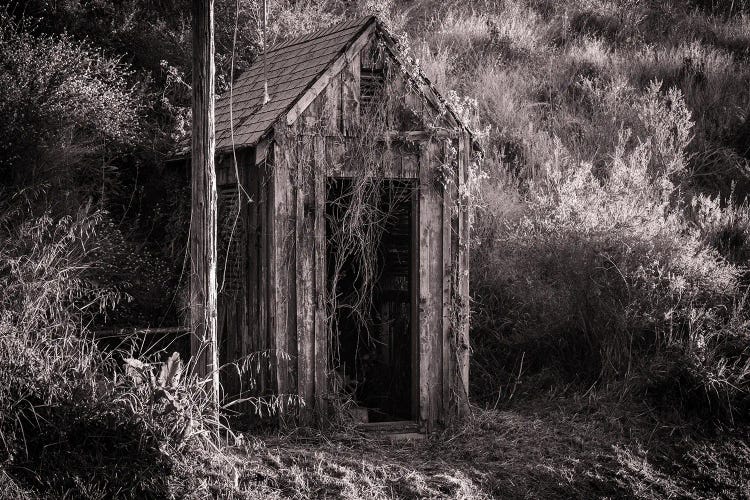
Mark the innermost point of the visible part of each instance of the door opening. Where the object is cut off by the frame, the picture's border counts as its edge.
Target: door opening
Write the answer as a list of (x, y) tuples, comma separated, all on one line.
[(371, 275)]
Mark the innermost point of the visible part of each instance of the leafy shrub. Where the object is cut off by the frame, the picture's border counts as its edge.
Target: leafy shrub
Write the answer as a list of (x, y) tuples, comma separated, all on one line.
[(603, 273), (64, 105), (70, 420)]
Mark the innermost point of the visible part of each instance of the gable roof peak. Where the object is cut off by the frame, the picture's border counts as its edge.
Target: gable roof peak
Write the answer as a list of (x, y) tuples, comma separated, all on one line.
[(291, 67)]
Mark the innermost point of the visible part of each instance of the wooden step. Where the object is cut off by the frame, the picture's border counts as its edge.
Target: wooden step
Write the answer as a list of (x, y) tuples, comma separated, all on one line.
[(398, 426)]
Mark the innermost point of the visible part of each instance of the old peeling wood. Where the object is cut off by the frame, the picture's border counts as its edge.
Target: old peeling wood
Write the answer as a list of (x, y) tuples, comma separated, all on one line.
[(254, 340), (435, 213), (409, 166), (335, 151), (265, 219), (423, 245), (331, 108), (447, 273), (233, 282), (203, 344), (461, 387), (243, 345), (430, 288), (281, 256), (453, 368), (415, 330)]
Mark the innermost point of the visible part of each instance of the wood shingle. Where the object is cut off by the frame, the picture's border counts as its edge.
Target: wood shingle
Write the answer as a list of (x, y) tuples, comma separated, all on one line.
[(290, 68)]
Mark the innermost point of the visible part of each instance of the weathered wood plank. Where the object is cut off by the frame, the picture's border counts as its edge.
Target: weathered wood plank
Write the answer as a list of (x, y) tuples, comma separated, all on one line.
[(265, 270), (409, 166), (333, 72), (331, 109), (231, 278), (462, 335), (455, 289), (264, 147), (430, 287), (415, 313), (321, 328), (425, 354), (447, 272), (304, 281), (334, 151), (253, 340), (246, 204), (436, 283), (350, 75), (290, 242), (281, 255)]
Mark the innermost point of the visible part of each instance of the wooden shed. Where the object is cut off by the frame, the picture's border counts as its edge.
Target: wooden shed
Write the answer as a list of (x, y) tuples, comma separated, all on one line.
[(343, 231)]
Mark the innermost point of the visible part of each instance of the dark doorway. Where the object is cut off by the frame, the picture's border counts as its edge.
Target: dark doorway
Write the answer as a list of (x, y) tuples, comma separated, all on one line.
[(371, 281)]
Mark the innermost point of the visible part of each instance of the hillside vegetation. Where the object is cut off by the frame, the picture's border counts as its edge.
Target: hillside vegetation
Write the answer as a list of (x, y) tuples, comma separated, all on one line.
[(611, 240), (610, 252)]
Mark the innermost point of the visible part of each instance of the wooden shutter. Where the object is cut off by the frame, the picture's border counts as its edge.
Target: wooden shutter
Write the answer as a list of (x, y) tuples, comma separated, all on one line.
[(371, 84), (230, 242)]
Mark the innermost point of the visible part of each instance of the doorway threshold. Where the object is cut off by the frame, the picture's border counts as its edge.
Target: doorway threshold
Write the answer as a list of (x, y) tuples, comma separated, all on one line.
[(400, 431), (394, 426)]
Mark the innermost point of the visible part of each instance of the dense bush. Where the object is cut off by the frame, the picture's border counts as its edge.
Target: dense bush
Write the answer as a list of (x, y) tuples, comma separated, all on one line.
[(71, 419), (612, 272), (67, 110)]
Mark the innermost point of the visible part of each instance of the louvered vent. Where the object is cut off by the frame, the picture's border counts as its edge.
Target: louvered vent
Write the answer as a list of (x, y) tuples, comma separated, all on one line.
[(230, 263), (371, 84)]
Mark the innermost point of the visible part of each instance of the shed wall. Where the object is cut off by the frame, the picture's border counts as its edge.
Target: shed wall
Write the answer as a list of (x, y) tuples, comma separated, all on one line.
[(281, 308)]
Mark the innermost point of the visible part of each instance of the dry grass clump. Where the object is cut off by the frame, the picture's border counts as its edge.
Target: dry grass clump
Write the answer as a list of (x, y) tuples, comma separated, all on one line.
[(71, 421)]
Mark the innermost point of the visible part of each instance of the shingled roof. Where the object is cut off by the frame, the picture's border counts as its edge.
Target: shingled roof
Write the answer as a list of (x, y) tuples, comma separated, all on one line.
[(292, 68)]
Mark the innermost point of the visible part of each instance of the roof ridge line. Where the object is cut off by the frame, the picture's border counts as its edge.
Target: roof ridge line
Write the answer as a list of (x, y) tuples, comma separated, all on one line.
[(304, 38)]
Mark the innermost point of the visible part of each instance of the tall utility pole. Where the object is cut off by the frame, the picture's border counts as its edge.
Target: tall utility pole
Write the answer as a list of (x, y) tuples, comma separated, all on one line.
[(203, 342)]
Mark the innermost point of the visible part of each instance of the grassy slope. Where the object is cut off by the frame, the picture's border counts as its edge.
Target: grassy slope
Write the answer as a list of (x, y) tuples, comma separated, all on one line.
[(541, 449), (526, 61)]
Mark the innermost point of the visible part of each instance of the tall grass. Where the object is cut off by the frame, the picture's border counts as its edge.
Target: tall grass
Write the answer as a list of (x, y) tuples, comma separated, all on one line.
[(612, 245), (614, 272), (71, 420)]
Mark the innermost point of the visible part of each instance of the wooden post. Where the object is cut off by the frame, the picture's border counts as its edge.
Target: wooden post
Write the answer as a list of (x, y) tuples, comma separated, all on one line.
[(203, 342)]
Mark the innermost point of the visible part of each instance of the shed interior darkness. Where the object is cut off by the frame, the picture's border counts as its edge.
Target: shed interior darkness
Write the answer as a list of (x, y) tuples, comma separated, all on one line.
[(374, 355)]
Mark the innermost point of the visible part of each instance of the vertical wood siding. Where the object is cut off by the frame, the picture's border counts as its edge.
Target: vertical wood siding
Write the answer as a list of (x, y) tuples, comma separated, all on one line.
[(285, 292)]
